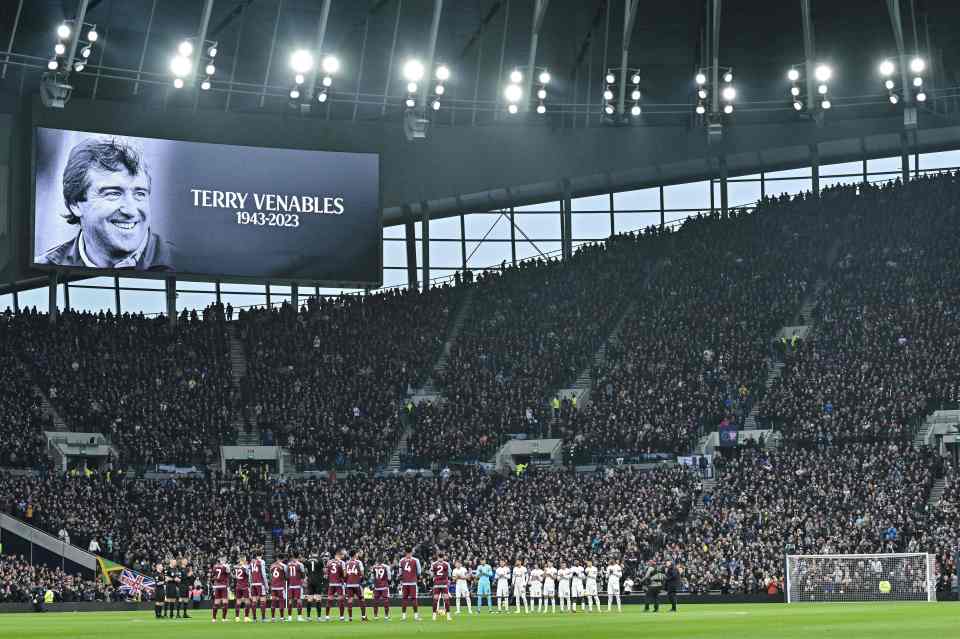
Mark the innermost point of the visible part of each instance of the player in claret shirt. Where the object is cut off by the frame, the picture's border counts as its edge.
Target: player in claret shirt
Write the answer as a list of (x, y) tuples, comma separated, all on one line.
[(220, 581), (334, 570), (381, 589), (409, 574), (241, 590), (258, 586), (440, 570), (296, 575), (355, 572), (278, 587)]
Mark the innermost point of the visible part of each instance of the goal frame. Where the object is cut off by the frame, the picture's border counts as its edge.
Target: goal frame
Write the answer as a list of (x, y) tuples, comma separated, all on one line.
[(929, 564)]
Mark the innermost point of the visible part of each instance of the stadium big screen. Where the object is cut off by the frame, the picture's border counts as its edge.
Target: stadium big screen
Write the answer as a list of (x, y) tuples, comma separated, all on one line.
[(165, 207)]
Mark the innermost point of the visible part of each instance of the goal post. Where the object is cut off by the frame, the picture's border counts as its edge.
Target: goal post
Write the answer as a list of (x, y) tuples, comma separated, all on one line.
[(863, 578)]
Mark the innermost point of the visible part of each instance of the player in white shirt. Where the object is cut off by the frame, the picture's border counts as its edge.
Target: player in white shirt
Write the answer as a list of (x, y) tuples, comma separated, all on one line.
[(520, 586), (564, 589), (460, 576), (593, 590), (536, 588), (503, 586), (550, 587), (576, 586), (614, 574)]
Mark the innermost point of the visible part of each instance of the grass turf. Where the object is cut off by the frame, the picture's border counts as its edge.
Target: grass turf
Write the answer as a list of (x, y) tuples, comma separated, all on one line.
[(725, 621)]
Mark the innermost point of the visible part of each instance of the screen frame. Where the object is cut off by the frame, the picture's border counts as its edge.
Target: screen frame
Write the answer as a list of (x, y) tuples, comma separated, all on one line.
[(184, 275)]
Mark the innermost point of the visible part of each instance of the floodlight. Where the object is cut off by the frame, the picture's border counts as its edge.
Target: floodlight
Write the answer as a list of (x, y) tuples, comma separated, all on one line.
[(608, 109), (301, 61), (701, 78), (918, 82), (322, 97), (438, 89), (729, 94), (294, 94), (436, 105), (443, 73), (411, 103), (608, 94), (728, 77), (330, 64), (701, 109), (205, 85), (635, 94), (797, 106), (887, 68), (889, 84), (728, 109), (92, 35), (59, 49), (635, 110), (413, 70), (610, 78), (921, 97), (212, 52), (327, 81), (894, 99), (512, 109), (541, 109), (822, 73), (180, 66), (513, 93), (542, 94), (822, 89), (825, 104), (795, 91), (178, 83), (63, 31), (411, 87), (210, 69), (917, 65), (793, 75), (636, 78), (544, 77), (299, 79), (79, 66), (702, 94), (185, 49), (85, 52)]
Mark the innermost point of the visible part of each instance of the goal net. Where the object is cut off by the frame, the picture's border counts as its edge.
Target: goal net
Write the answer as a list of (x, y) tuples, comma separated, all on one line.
[(882, 577)]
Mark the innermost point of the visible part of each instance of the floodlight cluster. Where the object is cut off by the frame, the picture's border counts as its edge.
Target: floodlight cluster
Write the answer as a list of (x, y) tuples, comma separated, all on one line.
[(182, 64), (822, 74), (302, 62), (728, 92), (414, 72), (609, 84), (86, 40), (888, 69)]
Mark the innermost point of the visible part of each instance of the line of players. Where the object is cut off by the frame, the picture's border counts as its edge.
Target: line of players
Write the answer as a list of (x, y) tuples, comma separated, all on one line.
[(288, 584)]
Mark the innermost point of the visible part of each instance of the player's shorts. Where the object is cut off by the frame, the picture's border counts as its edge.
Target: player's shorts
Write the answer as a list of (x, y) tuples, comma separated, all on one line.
[(520, 590), (335, 590), (576, 588), (549, 588), (242, 593), (483, 587), (408, 591), (257, 590), (564, 589), (220, 592), (353, 591), (462, 589), (613, 587), (184, 591), (172, 591), (294, 592), (536, 589), (441, 591), (159, 594), (381, 594), (591, 587), (278, 593), (315, 588), (503, 589)]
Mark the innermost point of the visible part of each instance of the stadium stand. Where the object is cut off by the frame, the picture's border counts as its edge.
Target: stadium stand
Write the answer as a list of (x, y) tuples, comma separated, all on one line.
[(20, 580)]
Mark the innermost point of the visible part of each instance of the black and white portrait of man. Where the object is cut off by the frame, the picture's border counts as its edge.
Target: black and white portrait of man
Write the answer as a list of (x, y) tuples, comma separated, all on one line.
[(106, 187)]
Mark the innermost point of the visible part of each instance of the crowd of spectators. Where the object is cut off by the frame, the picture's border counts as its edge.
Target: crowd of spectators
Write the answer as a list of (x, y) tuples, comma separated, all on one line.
[(160, 393), (887, 342), (328, 381), (21, 582), (22, 422), (943, 531)]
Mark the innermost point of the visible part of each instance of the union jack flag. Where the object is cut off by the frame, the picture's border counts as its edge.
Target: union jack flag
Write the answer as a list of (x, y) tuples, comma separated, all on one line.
[(132, 582)]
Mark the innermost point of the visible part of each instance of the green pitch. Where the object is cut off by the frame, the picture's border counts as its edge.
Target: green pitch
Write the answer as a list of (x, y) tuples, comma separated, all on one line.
[(726, 621)]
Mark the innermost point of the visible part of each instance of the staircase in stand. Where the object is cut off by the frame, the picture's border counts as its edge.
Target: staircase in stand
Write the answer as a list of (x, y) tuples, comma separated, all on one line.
[(773, 374), (247, 434), (429, 389), (936, 492), (268, 548), (49, 410), (394, 465), (698, 505)]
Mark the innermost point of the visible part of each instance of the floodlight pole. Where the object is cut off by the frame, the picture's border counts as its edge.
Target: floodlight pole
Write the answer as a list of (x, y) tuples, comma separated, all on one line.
[(809, 53), (75, 37), (428, 78), (629, 19), (13, 35), (909, 110), (539, 11), (318, 46), (715, 55), (200, 48)]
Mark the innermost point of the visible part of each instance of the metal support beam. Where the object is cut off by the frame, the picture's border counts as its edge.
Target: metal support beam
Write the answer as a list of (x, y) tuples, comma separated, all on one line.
[(200, 47), (393, 52), (629, 19), (865, 174), (723, 185), (763, 185), (116, 294), (715, 6), (463, 242), (539, 11), (896, 22), (815, 169), (216, 285), (567, 246), (66, 295), (503, 49), (170, 291), (266, 290), (410, 238), (318, 48), (513, 237), (75, 36), (431, 55), (16, 299), (809, 53), (236, 57), (613, 225), (13, 36), (425, 241), (904, 157), (662, 216), (363, 57), (273, 47), (52, 297), (294, 295)]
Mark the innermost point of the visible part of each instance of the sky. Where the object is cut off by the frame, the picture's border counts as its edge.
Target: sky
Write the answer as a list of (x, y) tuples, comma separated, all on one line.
[(540, 224)]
